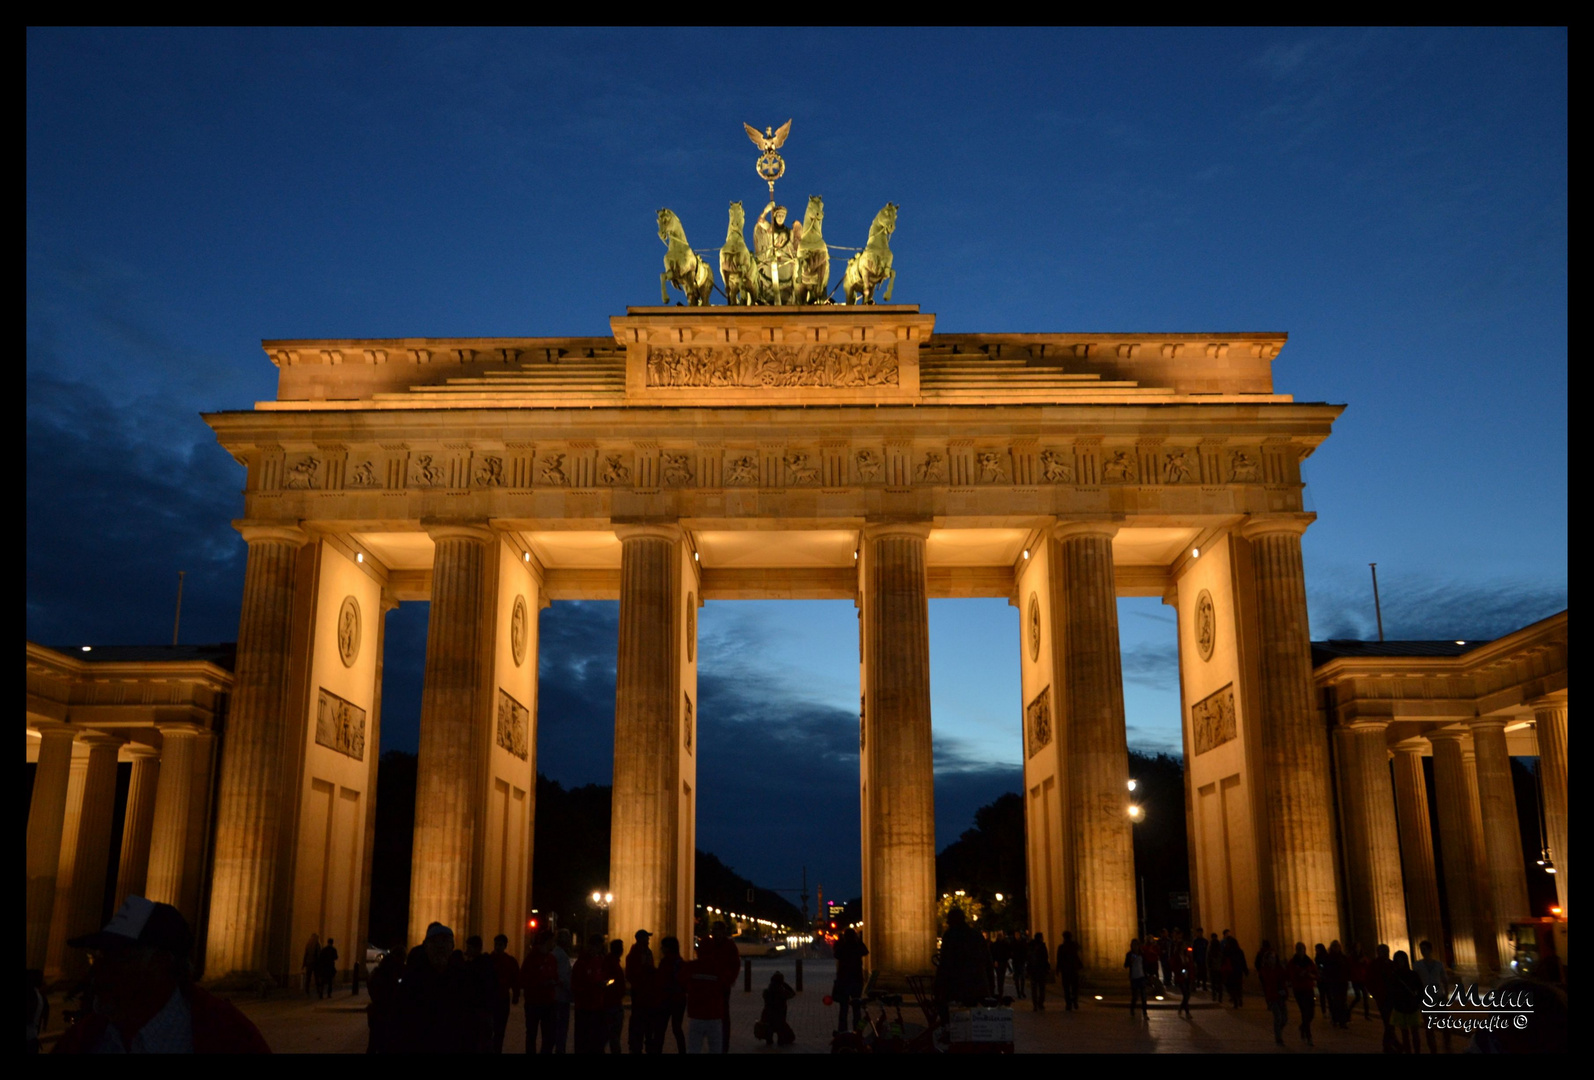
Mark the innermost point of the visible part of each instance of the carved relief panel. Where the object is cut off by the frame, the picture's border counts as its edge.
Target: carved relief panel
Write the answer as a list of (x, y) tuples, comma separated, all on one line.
[(1038, 721), (514, 720), (340, 725), (1212, 720)]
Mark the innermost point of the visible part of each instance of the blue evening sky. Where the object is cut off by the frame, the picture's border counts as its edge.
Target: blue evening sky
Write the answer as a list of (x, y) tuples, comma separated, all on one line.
[(1395, 200)]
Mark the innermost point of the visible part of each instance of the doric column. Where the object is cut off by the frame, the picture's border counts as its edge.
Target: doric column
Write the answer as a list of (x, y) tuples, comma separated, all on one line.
[(1416, 847), (173, 810), (1456, 845), (455, 705), (56, 952), (132, 867), (1093, 741), (86, 896), (1294, 755), (901, 845), (46, 820), (1502, 837), (643, 849), (1483, 917), (1372, 837), (1550, 721), (251, 795)]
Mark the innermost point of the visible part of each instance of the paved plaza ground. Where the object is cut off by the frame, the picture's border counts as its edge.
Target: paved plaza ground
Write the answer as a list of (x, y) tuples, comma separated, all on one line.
[(296, 1024)]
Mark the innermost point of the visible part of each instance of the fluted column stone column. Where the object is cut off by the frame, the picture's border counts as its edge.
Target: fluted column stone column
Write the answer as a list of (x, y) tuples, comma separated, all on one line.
[(173, 810), (1372, 837), (455, 705), (643, 844), (132, 867), (56, 952), (252, 791), (901, 913), (1456, 845), (46, 822), (1550, 721), (85, 899), (1502, 838), (1090, 722), (1423, 915), (1294, 753)]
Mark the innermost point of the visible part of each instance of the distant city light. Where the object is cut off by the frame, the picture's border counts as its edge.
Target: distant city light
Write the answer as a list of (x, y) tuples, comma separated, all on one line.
[(88, 648), (1461, 643)]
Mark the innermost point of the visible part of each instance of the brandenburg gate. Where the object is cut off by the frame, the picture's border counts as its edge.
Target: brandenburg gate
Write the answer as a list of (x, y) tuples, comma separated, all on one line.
[(764, 451)]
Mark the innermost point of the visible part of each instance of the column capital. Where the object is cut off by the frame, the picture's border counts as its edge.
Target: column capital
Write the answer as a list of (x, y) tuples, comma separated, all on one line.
[(47, 728), (260, 531), (1484, 723), (98, 740), (1366, 724), (874, 530), (1451, 734), (1068, 529), (179, 729), (1541, 704), (651, 531), (447, 529), (1257, 525), (141, 750), (1415, 745)]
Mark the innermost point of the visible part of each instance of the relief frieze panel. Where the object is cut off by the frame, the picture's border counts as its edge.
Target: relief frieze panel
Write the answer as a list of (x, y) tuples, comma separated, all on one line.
[(840, 366), (1038, 721), (1212, 721), (340, 725), (514, 720)]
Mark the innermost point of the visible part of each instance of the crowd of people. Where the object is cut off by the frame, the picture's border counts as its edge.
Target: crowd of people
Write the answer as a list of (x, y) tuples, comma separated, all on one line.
[(438, 999)]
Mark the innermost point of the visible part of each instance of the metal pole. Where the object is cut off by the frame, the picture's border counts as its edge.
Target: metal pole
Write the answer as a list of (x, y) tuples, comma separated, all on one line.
[(1377, 609), (178, 621)]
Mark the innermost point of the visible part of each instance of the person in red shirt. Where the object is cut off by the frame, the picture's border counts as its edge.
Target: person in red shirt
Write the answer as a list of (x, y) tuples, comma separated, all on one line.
[(539, 981), (706, 996), (721, 951), (586, 992), (148, 1003)]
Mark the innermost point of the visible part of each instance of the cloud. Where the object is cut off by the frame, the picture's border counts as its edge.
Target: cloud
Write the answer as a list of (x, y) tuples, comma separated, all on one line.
[(1422, 607), (1152, 665)]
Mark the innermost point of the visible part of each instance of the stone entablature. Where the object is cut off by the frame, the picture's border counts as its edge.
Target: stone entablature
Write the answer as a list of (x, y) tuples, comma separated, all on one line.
[(122, 695), (1207, 459), (1421, 693), (728, 356)]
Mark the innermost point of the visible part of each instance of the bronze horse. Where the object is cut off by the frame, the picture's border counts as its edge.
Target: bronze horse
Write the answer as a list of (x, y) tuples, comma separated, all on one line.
[(682, 266), (867, 269), (813, 257), (736, 262)]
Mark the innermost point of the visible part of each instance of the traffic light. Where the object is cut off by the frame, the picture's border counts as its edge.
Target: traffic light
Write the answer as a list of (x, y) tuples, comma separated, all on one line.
[(533, 923)]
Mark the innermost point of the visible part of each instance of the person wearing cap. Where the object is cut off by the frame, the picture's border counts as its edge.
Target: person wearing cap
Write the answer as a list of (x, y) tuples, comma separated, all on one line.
[(642, 976), (147, 1000)]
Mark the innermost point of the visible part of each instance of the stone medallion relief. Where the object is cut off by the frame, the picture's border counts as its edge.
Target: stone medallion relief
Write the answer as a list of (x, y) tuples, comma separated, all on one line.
[(1034, 627), (1038, 721), (691, 628), (518, 627), (1206, 625), (349, 631)]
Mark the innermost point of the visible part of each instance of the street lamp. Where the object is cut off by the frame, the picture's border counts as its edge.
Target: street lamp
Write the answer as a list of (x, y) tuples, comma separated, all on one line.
[(599, 901)]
